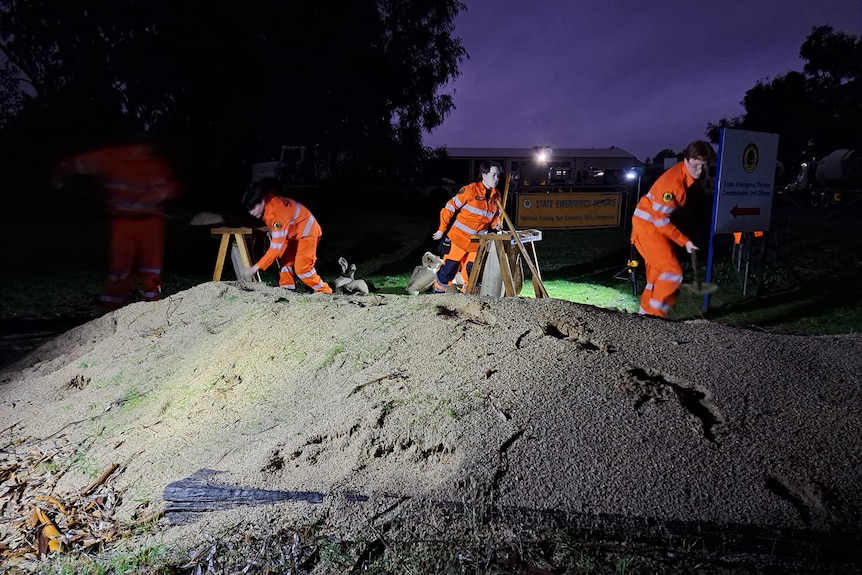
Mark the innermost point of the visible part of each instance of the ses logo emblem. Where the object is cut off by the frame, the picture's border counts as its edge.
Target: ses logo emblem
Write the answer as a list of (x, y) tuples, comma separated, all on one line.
[(750, 156)]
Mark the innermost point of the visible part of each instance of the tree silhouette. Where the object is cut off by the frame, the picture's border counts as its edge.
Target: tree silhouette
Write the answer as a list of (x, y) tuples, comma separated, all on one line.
[(229, 82), (814, 111)]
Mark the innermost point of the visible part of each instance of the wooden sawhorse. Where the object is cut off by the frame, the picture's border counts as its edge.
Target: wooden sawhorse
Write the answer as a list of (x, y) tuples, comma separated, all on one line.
[(500, 240), (238, 236)]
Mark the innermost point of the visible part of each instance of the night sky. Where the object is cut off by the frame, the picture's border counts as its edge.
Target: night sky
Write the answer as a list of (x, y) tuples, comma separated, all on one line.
[(639, 76)]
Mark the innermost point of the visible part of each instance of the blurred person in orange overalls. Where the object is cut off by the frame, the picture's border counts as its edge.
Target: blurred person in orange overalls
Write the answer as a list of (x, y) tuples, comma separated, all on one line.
[(472, 210), (654, 235), (294, 236), (136, 182)]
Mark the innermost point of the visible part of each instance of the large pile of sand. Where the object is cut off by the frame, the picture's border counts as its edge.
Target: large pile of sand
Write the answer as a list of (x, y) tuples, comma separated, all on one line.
[(531, 404)]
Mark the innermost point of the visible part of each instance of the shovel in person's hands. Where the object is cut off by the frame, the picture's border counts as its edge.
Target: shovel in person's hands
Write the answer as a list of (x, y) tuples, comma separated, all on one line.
[(698, 287)]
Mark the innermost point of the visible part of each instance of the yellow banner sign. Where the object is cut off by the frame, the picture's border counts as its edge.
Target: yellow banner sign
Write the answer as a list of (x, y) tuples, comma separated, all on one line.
[(569, 209)]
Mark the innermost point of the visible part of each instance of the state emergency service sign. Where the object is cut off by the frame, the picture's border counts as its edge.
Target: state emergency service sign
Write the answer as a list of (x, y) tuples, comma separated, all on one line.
[(577, 209), (745, 181)]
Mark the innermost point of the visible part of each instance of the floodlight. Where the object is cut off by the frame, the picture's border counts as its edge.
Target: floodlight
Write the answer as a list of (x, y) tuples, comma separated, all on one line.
[(543, 153)]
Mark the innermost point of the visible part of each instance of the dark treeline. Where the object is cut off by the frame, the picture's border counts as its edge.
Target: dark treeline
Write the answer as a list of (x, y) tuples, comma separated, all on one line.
[(225, 84), (814, 111)]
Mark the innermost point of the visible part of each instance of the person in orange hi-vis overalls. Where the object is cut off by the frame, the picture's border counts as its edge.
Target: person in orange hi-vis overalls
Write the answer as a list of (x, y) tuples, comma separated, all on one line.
[(654, 235), (294, 233), (136, 182), (474, 208)]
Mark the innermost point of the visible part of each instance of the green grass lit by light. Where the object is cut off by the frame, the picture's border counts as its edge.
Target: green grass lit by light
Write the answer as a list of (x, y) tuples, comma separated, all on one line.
[(610, 297), (616, 296)]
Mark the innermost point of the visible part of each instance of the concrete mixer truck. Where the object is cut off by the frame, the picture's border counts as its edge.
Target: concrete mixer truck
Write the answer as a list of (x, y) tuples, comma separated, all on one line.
[(830, 181)]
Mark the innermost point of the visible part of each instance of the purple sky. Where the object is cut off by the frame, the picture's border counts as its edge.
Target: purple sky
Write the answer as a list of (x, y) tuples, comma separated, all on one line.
[(642, 76)]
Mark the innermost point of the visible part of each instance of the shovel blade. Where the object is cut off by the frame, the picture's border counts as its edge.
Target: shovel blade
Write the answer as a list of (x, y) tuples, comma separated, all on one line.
[(700, 289)]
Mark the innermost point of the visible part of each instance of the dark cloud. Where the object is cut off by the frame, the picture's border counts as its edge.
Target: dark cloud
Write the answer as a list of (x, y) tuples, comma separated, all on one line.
[(639, 76)]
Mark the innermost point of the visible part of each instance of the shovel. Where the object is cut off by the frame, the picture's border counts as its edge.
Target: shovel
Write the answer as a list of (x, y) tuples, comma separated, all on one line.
[(697, 287)]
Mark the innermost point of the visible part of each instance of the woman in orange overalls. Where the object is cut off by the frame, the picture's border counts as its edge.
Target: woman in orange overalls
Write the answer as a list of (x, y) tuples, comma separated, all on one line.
[(475, 208), (654, 235)]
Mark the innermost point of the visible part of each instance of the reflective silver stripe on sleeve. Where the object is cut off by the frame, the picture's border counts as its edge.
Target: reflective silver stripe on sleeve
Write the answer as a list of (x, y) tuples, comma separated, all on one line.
[(642, 214), (295, 215), (308, 226), (663, 208)]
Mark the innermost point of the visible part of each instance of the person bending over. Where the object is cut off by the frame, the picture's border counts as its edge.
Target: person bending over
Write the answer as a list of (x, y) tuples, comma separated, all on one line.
[(294, 236)]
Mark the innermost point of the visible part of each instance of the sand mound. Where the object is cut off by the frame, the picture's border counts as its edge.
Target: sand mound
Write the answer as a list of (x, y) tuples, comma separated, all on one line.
[(540, 405)]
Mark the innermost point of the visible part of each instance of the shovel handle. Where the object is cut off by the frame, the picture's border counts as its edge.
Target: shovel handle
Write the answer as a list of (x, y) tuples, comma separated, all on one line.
[(694, 269)]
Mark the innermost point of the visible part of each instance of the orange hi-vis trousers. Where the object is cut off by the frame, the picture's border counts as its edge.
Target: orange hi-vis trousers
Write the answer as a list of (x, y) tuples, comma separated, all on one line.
[(457, 259), (298, 259), (135, 241), (663, 273)]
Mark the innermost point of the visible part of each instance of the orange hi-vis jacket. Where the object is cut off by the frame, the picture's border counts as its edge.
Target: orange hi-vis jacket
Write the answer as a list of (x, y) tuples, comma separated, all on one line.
[(653, 210), (477, 212), (286, 219), (136, 181)]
